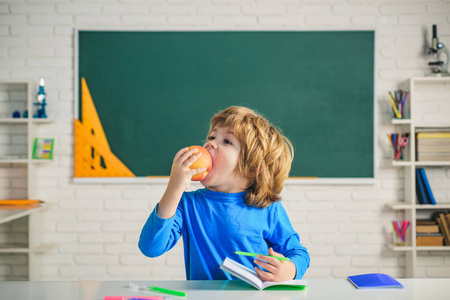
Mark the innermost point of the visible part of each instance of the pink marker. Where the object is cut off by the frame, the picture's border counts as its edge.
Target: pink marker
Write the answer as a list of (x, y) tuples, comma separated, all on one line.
[(134, 298)]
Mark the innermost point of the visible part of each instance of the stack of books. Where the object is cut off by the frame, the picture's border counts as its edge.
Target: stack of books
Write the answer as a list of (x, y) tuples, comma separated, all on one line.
[(428, 233), (433, 144), (423, 190)]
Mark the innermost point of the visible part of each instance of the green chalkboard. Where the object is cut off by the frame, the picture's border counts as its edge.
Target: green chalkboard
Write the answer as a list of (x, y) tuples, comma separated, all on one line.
[(155, 92)]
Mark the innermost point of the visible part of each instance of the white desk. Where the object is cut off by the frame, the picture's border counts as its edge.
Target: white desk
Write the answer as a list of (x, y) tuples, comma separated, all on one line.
[(415, 289)]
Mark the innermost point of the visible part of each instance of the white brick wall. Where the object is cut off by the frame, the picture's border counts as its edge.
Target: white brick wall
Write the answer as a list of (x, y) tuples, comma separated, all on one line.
[(95, 227)]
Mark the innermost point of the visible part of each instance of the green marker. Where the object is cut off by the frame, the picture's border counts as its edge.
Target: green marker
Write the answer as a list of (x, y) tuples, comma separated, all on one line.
[(167, 291), (255, 255)]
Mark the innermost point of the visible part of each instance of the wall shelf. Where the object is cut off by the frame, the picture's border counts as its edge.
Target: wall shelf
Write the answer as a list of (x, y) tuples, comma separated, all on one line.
[(17, 157), (418, 88)]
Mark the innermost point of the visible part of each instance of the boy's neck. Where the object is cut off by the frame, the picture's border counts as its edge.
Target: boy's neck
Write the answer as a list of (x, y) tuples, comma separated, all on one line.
[(225, 190)]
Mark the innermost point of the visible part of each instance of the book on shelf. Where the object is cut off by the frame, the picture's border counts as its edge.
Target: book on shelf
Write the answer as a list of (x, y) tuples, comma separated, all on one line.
[(429, 239), (420, 189), (428, 232), (444, 225), (433, 156), (432, 129), (426, 183), (425, 222), (374, 281), (433, 144), (427, 228), (423, 190), (433, 135), (245, 274)]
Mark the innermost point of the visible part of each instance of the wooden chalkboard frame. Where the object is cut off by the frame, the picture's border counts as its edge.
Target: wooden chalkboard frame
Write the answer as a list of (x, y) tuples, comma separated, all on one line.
[(163, 178)]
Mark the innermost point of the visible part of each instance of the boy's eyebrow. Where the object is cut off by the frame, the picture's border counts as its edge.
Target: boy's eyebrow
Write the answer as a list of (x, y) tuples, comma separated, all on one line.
[(228, 132)]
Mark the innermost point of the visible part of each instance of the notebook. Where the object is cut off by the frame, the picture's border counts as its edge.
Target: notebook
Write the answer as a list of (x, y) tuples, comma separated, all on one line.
[(374, 281), (250, 276)]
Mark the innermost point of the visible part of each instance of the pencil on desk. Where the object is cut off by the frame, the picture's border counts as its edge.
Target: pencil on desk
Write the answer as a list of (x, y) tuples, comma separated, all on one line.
[(167, 291)]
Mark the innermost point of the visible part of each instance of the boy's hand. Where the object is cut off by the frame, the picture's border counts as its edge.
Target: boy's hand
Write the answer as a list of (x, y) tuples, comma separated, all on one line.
[(180, 180), (277, 270), (180, 175)]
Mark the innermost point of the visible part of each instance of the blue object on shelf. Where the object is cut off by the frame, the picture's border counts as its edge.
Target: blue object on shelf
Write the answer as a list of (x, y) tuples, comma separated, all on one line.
[(428, 191), (16, 114), (420, 189)]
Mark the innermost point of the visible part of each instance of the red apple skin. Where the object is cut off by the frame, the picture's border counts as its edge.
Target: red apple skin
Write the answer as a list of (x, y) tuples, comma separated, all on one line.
[(204, 161)]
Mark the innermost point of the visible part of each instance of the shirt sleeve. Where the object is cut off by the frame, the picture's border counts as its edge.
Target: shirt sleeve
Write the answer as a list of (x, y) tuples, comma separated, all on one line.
[(160, 235), (285, 240)]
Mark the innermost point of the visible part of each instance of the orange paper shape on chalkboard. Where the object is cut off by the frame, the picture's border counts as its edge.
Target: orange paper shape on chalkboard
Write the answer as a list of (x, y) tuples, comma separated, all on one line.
[(92, 155)]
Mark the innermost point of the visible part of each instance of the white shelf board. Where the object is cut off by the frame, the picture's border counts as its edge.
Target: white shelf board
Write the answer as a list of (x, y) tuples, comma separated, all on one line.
[(402, 206), (14, 248), (13, 214), (399, 205), (401, 163), (401, 121), (430, 206), (25, 120), (431, 79), (400, 248), (433, 248), (13, 160), (14, 120), (432, 163)]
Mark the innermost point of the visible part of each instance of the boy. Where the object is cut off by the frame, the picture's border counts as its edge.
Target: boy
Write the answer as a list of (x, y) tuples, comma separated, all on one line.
[(239, 210)]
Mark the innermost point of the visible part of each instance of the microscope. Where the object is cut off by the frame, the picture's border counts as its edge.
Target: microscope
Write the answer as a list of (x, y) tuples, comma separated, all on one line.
[(40, 103), (439, 67)]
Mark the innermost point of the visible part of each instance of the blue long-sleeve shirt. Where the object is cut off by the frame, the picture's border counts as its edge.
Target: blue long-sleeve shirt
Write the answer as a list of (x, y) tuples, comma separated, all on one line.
[(214, 225)]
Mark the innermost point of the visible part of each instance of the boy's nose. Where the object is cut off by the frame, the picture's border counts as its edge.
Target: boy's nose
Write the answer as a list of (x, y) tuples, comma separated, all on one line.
[(210, 145)]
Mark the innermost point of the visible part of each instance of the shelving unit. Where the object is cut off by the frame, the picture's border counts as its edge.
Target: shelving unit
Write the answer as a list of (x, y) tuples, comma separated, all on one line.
[(19, 231), (419, 88)]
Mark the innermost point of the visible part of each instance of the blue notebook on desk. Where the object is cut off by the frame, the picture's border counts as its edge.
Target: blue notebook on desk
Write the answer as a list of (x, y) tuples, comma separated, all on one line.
[(374, 281)]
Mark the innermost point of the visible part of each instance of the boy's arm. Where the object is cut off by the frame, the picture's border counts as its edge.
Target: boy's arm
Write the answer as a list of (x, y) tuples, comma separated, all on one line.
[(180, 180), (285, 242), (160, 235), (162, 230)]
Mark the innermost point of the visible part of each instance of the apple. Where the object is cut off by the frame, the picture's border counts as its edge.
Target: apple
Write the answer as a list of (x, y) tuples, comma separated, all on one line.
[(204, 161)]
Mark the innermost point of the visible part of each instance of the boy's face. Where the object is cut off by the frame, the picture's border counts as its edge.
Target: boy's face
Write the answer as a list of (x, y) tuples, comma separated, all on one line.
[(224, 148)]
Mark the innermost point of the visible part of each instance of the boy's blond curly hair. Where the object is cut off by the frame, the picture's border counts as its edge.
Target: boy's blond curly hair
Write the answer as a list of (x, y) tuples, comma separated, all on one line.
[(266, 155)]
